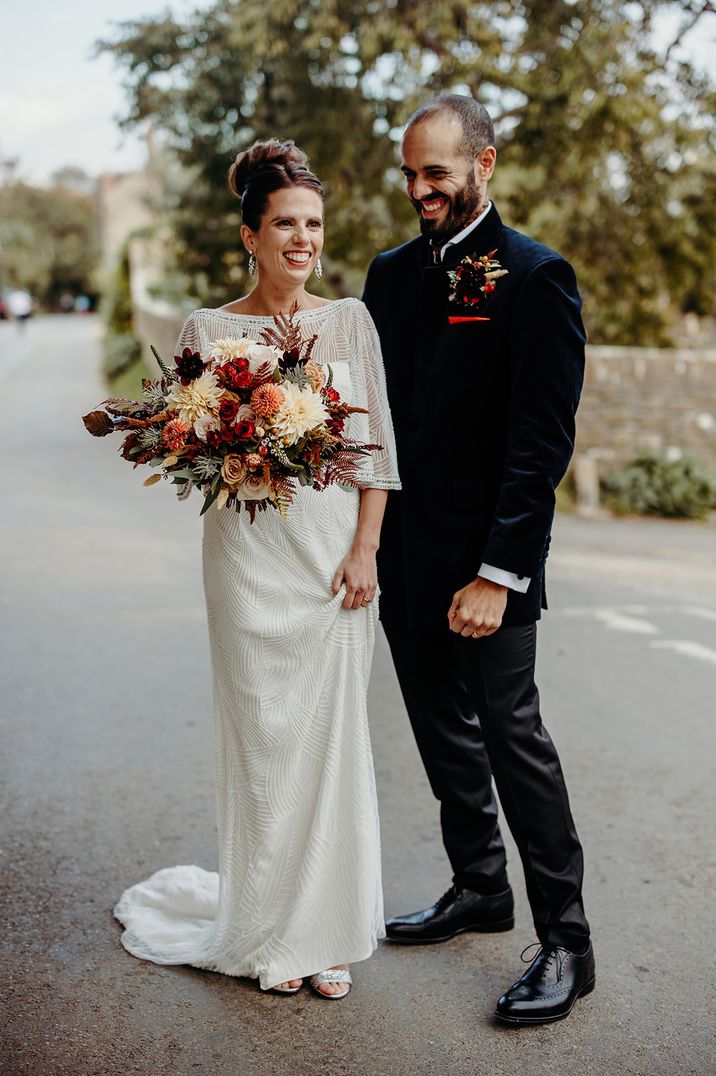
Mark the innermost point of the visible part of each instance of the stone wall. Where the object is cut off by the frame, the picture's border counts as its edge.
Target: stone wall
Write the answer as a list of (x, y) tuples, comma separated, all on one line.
[(647, 399), (155, 321)]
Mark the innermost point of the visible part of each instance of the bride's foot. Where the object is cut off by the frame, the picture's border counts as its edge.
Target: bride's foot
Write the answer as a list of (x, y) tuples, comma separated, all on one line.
[(291, 986), (334, 983)]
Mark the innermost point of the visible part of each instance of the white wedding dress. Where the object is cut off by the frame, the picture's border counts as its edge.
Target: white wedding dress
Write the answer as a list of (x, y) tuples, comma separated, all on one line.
[(298, 888)]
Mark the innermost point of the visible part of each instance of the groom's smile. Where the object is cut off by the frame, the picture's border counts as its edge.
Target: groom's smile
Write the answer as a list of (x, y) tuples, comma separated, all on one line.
[(430, 207)]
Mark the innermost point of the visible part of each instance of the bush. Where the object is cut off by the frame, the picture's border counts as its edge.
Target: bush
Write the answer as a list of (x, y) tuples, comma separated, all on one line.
[(657, 485), (122, 349), (120, 352)]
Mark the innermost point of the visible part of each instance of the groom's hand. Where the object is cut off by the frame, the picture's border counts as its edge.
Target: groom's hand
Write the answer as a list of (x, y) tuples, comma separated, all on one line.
[(477, 610)]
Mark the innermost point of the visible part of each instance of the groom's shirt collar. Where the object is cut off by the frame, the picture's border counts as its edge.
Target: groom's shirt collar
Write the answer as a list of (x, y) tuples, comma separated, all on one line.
[(464, 233)]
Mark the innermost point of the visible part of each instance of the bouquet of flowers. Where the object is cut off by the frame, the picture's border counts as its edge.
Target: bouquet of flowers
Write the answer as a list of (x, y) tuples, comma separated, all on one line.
[(244, 425)]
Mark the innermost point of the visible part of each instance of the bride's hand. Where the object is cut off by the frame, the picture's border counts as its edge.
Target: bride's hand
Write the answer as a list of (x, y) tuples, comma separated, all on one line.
[(359, 573)]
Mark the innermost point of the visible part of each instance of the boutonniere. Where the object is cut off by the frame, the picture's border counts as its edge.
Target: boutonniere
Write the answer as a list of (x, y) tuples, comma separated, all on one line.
[(472, 280)]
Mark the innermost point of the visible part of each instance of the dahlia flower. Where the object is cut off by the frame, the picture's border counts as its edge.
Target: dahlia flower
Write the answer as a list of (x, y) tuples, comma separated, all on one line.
[(174, 434), (197, 399), (301, 410), (267, 399)]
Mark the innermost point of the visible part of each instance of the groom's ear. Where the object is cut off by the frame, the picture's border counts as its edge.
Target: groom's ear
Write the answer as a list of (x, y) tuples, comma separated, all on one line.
[(485, 164)]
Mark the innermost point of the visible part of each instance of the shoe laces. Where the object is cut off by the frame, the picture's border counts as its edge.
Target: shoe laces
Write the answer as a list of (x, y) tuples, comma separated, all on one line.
[(552, 956), (448, 896)]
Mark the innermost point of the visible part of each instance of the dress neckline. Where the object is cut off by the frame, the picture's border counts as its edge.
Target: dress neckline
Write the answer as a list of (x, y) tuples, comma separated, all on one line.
[(312, 311)]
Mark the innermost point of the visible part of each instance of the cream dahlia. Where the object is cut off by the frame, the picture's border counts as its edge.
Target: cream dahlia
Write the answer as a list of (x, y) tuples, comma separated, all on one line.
[(197, 399), (301, 410), (229, 348)]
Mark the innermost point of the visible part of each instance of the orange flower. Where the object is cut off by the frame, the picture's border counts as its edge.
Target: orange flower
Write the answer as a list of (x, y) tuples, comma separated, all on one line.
[(267, 399)]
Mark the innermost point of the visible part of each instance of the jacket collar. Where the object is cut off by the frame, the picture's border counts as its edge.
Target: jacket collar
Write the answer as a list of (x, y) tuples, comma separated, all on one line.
[(486, 237)]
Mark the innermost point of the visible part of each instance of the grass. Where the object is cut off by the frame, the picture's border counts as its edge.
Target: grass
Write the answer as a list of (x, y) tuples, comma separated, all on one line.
[(128, 384)]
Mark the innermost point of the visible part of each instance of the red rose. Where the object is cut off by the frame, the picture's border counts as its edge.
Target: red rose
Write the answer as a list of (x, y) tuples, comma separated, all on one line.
[(228, 410), (333, 395), (213, 438), (241, 364), (245, 430), (228, 433)]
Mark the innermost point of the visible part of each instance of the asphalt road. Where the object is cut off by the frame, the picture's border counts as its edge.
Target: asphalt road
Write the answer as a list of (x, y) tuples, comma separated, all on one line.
[(107, 775)]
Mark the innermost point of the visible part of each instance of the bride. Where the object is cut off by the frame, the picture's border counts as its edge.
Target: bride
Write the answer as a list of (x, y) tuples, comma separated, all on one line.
[(292, 615)]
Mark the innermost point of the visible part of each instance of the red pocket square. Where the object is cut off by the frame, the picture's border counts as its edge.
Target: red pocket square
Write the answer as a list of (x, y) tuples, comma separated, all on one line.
[(457, 320)]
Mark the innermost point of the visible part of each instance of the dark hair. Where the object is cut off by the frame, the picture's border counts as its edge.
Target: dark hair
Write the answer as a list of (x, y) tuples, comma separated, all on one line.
[(266, 167), (477, 129)]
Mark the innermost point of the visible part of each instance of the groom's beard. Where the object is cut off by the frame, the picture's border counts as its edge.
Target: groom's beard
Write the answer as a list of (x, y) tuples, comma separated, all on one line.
[(462, 209)]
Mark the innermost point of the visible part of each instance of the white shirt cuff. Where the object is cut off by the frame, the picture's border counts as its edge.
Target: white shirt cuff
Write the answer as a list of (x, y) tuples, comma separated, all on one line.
[(505, 579)]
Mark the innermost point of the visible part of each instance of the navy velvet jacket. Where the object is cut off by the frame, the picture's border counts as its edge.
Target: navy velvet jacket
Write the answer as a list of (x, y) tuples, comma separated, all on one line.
[(484, 419)]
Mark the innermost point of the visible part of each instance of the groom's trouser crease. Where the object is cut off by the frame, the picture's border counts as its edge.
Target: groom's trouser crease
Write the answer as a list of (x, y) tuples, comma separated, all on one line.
[(474, 708)]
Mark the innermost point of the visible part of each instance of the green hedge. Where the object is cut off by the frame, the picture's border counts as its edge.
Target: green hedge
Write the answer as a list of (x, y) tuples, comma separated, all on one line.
[(122, 349), (659, 485)]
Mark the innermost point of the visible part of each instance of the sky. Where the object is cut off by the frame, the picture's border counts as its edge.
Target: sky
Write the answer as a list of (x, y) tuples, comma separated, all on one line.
[(58, 104)]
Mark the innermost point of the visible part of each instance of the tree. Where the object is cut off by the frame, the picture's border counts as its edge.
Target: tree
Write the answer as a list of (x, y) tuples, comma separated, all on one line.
[(48, 239), (605, 143)]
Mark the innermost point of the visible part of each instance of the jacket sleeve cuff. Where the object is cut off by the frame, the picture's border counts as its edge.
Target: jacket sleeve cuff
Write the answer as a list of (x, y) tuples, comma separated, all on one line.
[(519, 583)]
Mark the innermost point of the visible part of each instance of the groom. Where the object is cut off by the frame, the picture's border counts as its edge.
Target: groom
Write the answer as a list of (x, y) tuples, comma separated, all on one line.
[(484, 374)]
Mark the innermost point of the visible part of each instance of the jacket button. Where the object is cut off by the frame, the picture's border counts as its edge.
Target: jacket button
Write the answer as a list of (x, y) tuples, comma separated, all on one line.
[(520, 577)]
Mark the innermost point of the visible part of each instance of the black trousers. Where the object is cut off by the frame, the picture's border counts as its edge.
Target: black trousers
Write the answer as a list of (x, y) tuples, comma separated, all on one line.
[(474, 708)]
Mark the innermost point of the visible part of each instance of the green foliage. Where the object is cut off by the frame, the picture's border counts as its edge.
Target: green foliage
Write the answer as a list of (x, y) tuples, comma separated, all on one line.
[(48, 239), (129, 383), (120, 352), (605, 144), (118, 300), (566, 494), (122, 348), (656, 485)]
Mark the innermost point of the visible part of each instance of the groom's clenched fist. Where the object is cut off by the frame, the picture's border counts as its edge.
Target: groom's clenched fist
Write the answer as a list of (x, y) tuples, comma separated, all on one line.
[(477, 610)]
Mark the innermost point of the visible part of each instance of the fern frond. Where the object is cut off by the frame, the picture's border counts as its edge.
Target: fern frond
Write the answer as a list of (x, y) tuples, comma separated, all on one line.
[(169, 374)]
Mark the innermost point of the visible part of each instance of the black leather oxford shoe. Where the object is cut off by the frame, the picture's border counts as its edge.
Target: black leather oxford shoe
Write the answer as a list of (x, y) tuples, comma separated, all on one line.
[(457, 911), (549, 988)]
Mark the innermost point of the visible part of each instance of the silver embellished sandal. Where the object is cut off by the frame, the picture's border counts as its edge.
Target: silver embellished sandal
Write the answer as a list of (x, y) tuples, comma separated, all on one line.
[(332, 975)]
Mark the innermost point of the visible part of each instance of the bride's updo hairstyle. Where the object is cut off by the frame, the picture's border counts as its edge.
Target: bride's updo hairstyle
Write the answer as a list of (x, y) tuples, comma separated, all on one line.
[(264, 168)]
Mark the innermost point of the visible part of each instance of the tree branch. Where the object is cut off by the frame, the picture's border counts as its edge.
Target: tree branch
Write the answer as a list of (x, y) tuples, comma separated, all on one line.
[(705, 9)]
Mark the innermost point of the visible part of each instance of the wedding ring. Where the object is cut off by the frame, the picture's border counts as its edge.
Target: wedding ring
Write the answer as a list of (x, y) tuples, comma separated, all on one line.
[(367, 601)]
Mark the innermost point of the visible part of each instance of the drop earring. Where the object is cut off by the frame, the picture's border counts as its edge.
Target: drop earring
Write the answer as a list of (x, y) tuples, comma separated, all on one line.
[(253, 267), (318, 269)]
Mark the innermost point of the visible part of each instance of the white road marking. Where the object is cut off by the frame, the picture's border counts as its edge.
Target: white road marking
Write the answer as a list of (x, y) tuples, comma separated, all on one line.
[(685, 646), (592, 610), (616, 621), (697, 610)]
